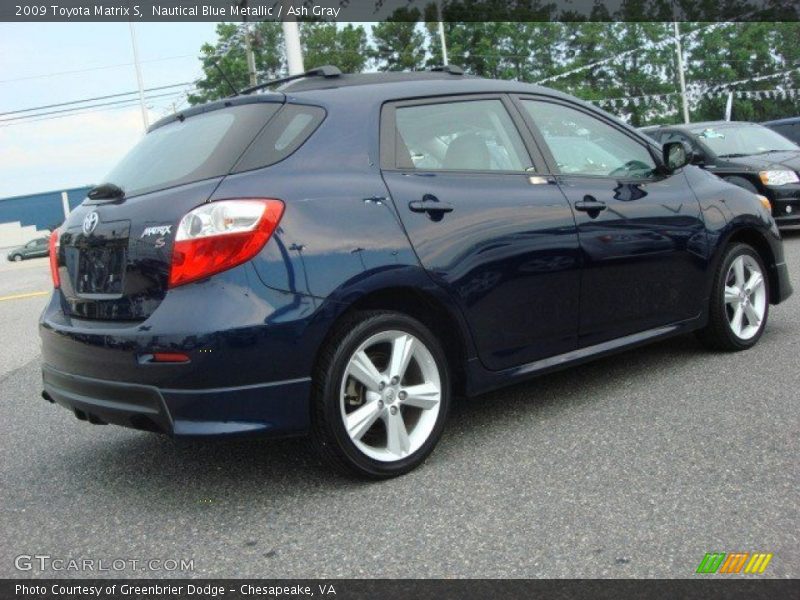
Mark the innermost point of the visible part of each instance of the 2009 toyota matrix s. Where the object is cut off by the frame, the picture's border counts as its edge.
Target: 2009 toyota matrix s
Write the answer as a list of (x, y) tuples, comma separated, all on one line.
[(342, 255)]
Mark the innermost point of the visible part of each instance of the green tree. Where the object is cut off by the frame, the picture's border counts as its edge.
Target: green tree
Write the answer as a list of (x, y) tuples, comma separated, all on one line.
[(399, 45), (323, 43), (327, 44), (738, 52), (228, 52)]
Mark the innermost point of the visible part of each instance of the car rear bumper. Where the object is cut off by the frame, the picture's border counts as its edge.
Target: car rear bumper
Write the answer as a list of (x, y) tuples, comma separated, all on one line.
[(276, 408), (247, 368)]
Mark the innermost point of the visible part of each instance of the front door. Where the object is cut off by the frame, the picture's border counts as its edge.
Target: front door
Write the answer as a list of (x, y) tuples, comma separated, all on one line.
[(499, 238), (641, 231)]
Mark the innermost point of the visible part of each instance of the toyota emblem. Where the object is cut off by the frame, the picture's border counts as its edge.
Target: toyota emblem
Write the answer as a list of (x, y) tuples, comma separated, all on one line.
[(90, 222)]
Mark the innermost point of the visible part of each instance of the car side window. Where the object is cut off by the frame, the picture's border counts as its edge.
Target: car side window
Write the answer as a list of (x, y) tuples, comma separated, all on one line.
[(472, 135), (582, 144)]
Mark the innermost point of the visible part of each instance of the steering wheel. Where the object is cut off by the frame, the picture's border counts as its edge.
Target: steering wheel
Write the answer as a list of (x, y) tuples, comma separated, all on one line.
[(630, 166)]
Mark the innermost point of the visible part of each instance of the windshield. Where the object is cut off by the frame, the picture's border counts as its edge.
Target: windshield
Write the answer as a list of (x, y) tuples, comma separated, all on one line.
[(742, 140), (200, 147)]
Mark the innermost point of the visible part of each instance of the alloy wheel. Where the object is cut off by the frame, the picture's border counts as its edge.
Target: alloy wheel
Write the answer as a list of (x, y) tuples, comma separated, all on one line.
[(390, 395), (745, 297)]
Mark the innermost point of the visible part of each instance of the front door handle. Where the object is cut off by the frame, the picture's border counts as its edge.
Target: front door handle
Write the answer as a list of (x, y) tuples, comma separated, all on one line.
[(590, 205), (431, 205)]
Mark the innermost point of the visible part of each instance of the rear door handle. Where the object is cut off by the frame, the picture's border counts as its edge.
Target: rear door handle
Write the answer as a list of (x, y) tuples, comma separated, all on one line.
[(431, 205)]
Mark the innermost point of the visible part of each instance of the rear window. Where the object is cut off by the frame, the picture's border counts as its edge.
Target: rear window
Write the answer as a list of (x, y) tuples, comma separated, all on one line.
[(201, 147)]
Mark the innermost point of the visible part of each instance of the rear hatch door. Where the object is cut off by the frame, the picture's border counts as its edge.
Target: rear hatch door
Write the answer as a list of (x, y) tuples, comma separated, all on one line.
[(114, 253)]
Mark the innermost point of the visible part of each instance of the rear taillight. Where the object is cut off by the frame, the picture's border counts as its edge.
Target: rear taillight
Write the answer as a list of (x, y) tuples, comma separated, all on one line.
[(53, 245), (221, 235)]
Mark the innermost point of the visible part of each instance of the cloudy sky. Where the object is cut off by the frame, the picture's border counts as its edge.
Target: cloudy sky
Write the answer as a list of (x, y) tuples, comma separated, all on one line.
[(51, 63)]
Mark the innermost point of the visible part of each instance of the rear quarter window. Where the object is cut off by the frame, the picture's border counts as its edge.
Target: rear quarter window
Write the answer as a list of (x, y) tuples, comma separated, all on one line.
[(284, 134)]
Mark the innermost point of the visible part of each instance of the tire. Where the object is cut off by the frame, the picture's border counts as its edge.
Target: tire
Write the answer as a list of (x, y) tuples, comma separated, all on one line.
[(742, 182), (727, 298), (373, 446), (17, 258)]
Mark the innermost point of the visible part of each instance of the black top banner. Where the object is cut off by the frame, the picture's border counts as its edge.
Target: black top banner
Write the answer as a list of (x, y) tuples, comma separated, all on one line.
[(400, 10)]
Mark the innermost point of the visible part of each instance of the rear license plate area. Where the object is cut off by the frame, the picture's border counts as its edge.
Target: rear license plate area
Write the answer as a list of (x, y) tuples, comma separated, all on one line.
[(101, 269)]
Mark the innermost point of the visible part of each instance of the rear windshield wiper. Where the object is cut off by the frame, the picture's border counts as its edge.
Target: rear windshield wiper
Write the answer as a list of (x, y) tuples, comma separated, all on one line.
[(106, 191)]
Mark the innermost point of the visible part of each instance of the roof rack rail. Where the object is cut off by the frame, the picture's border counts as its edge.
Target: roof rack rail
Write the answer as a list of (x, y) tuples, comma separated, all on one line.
[(326, 71), (452, 69)]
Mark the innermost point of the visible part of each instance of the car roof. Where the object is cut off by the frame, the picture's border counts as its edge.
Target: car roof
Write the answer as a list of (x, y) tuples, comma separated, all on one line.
[(377, 88), (786, 121), (351, 79)]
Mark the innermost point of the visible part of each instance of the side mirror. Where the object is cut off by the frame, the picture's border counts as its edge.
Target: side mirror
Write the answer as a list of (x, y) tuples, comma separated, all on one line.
[(676, 155)]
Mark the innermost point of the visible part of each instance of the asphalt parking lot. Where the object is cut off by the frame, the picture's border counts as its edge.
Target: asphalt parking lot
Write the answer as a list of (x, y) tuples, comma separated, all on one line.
[(633, 466)]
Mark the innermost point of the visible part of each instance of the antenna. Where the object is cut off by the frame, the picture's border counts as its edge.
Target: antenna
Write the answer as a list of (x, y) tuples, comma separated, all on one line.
[(225, 77)]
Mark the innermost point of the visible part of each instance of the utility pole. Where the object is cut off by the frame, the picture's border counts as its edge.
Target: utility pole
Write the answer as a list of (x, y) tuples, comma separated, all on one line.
[(138, 69), (294, 51), (291, 39), (681, 76), (729, 106), (248, 51), (248, 47), (442, 39)]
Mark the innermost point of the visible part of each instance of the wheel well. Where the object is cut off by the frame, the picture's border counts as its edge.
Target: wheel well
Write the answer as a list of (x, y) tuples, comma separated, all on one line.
[(429, 311), (755, 240)]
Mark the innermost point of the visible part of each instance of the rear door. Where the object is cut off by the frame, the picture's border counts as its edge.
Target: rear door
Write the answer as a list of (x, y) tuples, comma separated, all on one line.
[(500, 238), (641, 232)]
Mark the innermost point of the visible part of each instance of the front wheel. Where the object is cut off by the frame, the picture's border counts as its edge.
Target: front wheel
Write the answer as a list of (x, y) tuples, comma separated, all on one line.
[(739, 301), (17, 258), (381, 395)]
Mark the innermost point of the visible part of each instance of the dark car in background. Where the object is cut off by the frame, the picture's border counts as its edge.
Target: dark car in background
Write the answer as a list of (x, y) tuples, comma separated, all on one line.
[(788, 128), (344, 254), (33, 249), (746, 154)]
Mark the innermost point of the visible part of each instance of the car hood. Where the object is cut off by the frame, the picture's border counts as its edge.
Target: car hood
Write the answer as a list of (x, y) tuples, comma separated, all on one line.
[(774, 160)]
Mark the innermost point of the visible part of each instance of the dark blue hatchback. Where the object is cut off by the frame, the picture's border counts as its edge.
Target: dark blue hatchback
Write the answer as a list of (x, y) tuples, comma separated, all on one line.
[(344, 254)]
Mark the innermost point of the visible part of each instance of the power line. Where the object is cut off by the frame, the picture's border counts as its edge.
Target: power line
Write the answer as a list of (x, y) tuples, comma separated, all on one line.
[(76, 113), (74, 109), (163, 87), (100, 68)]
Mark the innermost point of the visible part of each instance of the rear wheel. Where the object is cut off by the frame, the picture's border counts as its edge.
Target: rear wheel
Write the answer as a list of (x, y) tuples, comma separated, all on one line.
[(739, 301), (381, 395)]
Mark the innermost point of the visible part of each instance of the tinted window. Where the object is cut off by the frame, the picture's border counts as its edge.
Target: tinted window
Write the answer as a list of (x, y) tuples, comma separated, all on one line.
[(476, 135), (200, 147), (284, 134), (584, 145)]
